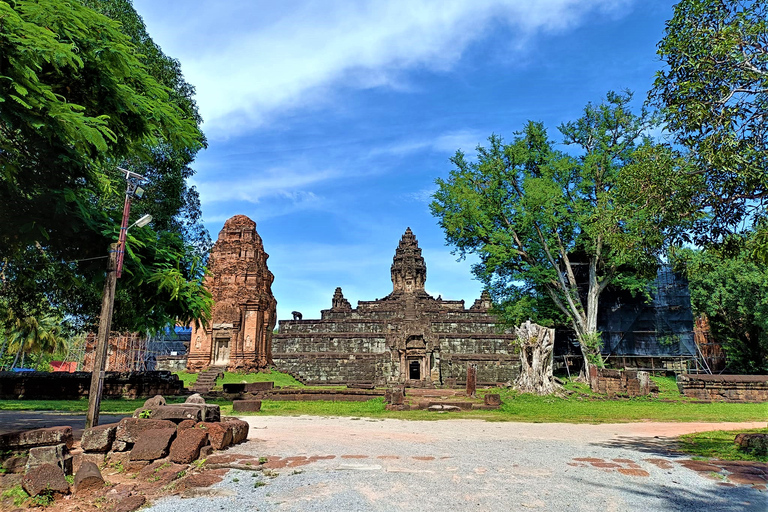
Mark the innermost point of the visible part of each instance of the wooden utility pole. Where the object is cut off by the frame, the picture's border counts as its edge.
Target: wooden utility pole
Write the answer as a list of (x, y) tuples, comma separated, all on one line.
[(102, 342)]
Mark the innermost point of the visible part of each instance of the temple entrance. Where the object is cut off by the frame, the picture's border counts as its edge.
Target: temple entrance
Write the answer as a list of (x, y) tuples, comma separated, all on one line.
[(221, 348), (414, 369)]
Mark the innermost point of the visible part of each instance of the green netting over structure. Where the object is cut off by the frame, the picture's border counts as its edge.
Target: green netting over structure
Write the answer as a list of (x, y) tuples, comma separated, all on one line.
[(662, 327)]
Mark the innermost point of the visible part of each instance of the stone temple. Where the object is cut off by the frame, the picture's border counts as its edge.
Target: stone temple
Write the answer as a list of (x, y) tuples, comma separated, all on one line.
[(408, 337), (239, 336)]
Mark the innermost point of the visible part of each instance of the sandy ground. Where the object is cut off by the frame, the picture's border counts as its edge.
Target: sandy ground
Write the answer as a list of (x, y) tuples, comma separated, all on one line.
[(370, 464)]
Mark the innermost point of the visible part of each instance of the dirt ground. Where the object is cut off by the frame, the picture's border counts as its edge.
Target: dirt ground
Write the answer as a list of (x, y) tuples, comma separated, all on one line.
[(318, 463)]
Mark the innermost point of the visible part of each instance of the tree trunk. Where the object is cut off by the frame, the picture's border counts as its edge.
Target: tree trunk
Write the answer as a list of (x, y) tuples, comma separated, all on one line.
[(536, 345), (13, 364)]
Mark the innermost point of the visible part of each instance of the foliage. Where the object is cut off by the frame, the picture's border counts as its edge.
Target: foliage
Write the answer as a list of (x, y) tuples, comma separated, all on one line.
[(719, 444), (713, 92), (553, 231), (77, 99), (732, 291), (16, 493)]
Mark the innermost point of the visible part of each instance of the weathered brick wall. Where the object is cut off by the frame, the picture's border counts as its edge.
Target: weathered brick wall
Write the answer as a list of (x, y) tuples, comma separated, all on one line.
[(72, 386), (340, 342), (736, 388), (620, 382), (491, 368), (335, 367)]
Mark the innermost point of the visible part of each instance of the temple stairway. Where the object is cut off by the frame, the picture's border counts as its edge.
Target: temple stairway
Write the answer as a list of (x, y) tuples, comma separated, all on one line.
[(207, 379)]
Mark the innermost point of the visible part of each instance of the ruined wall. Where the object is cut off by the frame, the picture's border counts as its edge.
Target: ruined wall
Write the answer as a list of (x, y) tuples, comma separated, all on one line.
[(732, 388), (72, 386)]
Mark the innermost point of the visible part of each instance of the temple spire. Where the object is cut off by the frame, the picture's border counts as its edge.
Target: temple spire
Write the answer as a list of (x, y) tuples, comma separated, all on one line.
[(409, 271)]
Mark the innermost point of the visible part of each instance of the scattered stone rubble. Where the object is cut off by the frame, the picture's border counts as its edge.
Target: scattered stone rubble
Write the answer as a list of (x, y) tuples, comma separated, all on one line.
[(438, 400), (160, 444)]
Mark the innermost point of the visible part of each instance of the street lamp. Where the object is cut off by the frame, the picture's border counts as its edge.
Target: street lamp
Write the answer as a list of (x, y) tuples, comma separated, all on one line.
[(114, 271)]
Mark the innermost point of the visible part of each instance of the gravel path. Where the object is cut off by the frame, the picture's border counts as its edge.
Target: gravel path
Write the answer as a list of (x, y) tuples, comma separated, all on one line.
[(340, 464)]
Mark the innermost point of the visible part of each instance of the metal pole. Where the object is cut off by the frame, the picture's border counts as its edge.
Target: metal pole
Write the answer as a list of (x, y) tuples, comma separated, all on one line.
[(123, 231), (102, 342)]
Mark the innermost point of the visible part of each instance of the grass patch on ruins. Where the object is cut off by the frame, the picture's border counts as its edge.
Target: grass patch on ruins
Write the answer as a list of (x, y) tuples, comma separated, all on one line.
[(280, 379), (718, 444)]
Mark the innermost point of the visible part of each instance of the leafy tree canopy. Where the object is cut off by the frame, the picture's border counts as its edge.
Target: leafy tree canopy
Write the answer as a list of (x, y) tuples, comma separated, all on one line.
[(713, 94), (554, 230), (732, 291), (79, 95)]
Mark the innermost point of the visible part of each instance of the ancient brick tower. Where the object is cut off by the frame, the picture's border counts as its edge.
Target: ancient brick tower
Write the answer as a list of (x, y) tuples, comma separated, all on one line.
[(240, 333)]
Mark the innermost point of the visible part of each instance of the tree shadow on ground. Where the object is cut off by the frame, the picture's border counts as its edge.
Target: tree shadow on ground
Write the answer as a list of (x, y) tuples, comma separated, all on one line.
[(660, 446), (714, 499)]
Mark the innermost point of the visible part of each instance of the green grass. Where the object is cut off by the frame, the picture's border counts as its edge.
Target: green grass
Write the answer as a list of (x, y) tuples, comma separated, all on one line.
[(581, 406), (718, 444), (280, 379)]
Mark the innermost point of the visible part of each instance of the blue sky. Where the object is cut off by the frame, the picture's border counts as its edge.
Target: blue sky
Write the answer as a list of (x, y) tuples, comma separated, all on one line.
[(329, 121)]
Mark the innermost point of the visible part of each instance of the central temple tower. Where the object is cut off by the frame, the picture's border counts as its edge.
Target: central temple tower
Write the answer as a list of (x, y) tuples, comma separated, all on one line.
[(409, 271)]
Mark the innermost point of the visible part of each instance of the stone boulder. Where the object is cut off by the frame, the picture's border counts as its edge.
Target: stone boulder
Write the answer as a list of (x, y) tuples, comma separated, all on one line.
[(57, 455), (175, 413), (197, 398), (129, 504), (155, 401), (88, 478), (246, 405), (153, 444), (129, 430), (185, 425), (756, 443), (219, 434), (93, 457), (239, 429), (45, 478), (186, 447), (99, 439), (23, 440), (15, 464)]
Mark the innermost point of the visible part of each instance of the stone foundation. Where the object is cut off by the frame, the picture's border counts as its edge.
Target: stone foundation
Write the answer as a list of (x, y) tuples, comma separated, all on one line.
[(72, 386), (732, 388), (620, 382), (171, 363)]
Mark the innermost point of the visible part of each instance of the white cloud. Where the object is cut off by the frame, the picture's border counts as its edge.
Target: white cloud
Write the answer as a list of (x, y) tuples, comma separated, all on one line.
[(275, 182), (249, 62)]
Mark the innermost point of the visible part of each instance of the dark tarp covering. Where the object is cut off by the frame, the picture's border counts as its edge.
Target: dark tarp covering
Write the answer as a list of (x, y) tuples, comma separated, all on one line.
[(661, 328), (631, 326)]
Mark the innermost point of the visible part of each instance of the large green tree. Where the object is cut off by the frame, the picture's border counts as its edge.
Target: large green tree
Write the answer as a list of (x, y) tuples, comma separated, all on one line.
[(554, 229), (77, 98), (713, 94), (732, 291)]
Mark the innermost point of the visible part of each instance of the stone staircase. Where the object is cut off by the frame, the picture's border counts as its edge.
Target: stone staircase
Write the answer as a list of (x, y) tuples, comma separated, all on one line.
[(206, 380)]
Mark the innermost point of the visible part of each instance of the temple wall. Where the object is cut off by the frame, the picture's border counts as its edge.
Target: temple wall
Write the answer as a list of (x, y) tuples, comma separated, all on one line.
[(340, 342), (335, 367), (497, 368)]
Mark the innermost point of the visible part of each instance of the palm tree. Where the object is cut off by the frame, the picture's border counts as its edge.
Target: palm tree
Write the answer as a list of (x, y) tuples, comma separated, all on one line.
[(31, 335)]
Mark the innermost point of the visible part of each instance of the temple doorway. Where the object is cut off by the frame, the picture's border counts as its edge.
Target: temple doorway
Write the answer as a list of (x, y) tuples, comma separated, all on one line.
[(414, 369), (221, 355)]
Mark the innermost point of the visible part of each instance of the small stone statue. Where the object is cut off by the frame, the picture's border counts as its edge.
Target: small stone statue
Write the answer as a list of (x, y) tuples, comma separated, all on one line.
[(296, 315)]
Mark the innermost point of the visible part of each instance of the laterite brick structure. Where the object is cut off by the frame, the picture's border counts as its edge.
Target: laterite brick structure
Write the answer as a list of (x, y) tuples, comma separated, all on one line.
[(239, 336)]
